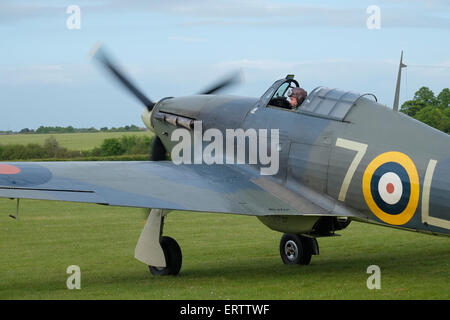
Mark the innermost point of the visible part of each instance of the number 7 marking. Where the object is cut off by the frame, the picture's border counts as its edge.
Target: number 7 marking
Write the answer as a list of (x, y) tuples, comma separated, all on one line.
[(360, 149)]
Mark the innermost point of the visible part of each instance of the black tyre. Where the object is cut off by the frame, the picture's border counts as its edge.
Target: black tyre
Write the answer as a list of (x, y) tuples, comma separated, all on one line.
[(172, 253), (295, 249)]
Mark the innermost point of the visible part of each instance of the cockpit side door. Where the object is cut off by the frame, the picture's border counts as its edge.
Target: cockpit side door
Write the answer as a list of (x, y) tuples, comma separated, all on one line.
[(272, 119)]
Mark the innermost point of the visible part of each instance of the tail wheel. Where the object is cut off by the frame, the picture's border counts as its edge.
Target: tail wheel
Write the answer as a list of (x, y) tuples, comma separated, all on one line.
[(295, 249), (172, 253)]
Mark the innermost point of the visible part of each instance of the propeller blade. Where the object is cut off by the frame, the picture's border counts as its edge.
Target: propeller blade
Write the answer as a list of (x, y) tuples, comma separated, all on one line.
[(235, 78), (99, 54), (159, 152)]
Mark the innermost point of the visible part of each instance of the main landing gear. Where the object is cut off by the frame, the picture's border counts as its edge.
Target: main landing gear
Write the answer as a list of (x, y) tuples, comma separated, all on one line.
[(163, 255), (297, 249), (172, 253)]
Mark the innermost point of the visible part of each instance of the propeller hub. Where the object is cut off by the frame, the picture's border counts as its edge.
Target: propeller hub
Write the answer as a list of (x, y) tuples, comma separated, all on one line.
[(146, 118)]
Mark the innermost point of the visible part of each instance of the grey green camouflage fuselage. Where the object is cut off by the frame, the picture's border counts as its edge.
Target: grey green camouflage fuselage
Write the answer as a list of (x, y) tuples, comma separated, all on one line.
[(317, 153)]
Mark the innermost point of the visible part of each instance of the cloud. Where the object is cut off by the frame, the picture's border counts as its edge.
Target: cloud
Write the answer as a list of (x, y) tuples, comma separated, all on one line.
[(429, 3), (394, 13), (11, 11), (375, 76), (44, 74), (267, 64)]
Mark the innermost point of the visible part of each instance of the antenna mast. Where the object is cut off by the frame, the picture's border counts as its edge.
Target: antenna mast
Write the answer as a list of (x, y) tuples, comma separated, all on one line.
[(399, 77)]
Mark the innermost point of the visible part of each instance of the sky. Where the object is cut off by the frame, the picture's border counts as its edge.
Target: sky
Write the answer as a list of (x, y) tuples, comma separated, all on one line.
[(179, 47)]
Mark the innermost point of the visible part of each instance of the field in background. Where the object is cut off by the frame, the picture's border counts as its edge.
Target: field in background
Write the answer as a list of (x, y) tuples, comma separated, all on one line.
[(72, 141), (224, 257)]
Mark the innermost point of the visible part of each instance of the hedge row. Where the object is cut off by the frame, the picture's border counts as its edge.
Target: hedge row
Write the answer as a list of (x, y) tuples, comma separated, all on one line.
[(124, 148), (135, 157)]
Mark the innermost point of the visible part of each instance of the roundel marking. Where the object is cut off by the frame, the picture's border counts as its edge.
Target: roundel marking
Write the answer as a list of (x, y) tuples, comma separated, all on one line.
[(23, 174), (391, 187), (8, 169)]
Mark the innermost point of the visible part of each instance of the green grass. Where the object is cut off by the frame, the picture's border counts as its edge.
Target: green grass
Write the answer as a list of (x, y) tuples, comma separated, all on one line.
[(72, 141), (224, 257)]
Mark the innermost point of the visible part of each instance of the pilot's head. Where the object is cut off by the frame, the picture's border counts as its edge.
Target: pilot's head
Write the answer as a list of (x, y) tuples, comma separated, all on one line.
[(297, 96)]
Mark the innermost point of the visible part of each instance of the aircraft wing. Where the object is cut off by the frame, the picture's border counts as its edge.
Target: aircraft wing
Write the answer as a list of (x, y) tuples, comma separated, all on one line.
[(162, 184)]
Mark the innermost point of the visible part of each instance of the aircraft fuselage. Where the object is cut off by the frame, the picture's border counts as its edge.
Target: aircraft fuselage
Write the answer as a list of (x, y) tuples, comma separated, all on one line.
[(384, 165)]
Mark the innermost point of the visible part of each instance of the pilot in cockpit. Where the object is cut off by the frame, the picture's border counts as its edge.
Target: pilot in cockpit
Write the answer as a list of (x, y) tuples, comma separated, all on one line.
[(296, 97)]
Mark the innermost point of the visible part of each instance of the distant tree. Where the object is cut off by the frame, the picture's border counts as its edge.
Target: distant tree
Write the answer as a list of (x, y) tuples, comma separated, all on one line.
[(444, 98), (70, 129), (411, 107), (112, 147), (51, 146), (433, 116), (432, 110), (425, 96), (41, 129)]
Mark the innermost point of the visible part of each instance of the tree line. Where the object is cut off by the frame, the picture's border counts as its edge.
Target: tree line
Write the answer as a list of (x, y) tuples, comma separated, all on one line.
[(427, 108), (70, 129)]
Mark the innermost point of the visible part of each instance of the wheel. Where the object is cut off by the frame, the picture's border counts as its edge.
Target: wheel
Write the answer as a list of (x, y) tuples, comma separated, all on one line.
[(172, 253), (295, 249)]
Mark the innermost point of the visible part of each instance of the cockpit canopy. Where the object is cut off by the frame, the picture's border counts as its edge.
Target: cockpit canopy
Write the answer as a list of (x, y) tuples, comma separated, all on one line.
[(280, 97), (323, 102), (330, 103)]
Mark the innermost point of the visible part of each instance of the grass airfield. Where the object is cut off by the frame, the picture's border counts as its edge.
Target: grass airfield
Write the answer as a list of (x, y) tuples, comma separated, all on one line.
[(224, 257)]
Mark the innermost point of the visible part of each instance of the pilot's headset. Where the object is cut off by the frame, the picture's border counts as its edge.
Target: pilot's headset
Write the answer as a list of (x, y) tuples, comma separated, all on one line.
[(299, 93)]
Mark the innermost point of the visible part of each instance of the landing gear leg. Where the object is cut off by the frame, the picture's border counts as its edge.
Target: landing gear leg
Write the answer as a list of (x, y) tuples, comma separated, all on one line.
[(161, 254), (297, 249)]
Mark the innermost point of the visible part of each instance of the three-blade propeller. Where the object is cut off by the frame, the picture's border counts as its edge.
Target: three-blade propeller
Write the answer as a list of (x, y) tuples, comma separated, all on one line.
[(158, 150), (234, 78), (100, 55)]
